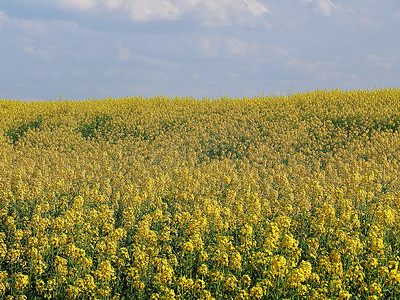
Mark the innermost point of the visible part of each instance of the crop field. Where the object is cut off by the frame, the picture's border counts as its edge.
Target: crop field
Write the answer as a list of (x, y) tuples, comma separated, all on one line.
[(271, 197)]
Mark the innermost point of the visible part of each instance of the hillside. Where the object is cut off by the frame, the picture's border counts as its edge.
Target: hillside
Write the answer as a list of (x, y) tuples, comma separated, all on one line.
[(269, 197)]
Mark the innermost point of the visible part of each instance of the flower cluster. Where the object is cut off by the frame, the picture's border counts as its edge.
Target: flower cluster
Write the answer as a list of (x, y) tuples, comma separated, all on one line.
[(279, 197)]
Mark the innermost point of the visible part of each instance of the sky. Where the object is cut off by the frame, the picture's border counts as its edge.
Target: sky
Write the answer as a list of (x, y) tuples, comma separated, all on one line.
[(81, 49)]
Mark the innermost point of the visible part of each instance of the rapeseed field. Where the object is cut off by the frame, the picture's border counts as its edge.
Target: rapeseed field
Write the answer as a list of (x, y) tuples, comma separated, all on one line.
[(271, 197)]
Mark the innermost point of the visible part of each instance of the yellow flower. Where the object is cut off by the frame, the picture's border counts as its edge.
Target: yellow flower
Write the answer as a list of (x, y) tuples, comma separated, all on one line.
[(89, 282), (386, 215), (73, 292), (246, 280), (289, 243), (230, 283), (105, 272), (206, 295), (3, 284), (199, 285), (39, 266), (336, 284), (222, 258), (376, 244), (54, 241), (313, 246), (203, 256), (60, 265), (52, 284), (344, 295), (165, 271), (21, 281), (247, 230), (167, 293), (353, 245), (256, 292), (283, 222), (185, 283), (300, 274), (383, 271), (203, 269), (14, 255), (372, 262), (103, 292), (3, 249), (78, 203), (375, 289), (188, 247), (244, 187), (242, 295), (278, 265), (154, 296), (117, 296), (235, 261), (18, 235)]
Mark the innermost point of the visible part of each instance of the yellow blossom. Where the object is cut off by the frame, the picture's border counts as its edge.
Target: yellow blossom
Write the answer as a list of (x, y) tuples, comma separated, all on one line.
[(21, 281), (256, 292)]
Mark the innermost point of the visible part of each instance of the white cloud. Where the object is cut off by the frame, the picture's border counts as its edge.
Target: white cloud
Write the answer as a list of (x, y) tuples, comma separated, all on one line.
[(138, 10), (296, 63), (228, 47), (114, 4), (280, 51), (235, 46), (155, 62), (34, 27), (210, 46), (310, 66), (42, 53), (214, 13), (79, 4), (2, 19), (324, 7), (28, 45), (256, 8), (29, 48), (123, 53), (152, 10), (226, 12), (209, 12), (382, 61)]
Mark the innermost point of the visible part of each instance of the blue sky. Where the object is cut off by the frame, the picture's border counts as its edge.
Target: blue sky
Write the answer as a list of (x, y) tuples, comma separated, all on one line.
[(201, 48)]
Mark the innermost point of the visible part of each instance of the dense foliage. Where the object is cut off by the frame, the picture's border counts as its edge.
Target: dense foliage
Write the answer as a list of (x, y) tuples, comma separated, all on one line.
[(273, 197)]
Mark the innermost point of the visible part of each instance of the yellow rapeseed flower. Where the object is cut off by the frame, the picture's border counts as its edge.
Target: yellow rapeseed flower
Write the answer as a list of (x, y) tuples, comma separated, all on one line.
[(256, 292), (21, 281)]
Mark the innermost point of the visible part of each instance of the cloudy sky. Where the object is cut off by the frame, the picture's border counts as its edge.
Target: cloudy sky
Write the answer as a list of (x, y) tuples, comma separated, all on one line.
[(201, 48)]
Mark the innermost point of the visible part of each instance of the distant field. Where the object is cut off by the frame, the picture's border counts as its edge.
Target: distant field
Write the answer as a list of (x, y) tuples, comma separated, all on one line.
[(279, 197)]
